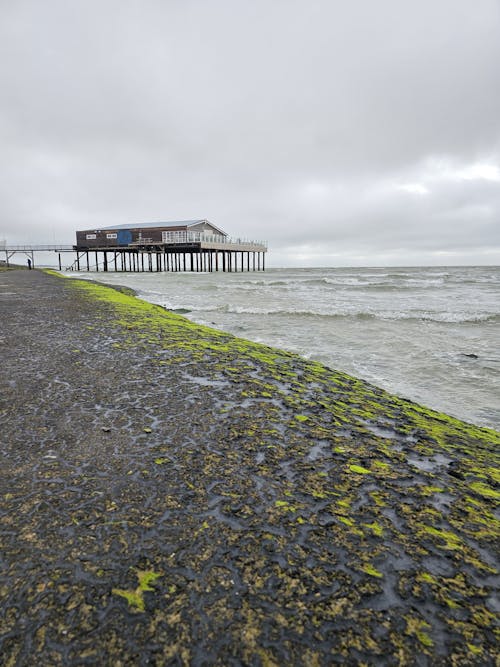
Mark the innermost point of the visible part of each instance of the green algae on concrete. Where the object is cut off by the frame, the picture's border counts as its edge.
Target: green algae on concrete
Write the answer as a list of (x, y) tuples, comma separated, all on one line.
[(360, 403), (135, 597), (297, 515)]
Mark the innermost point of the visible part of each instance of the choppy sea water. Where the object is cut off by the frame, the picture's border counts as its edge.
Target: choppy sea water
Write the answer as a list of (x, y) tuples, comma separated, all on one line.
[(428, 334)]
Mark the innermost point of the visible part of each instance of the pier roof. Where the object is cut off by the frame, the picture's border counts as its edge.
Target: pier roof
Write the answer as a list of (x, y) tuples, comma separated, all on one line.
[(151, 225)]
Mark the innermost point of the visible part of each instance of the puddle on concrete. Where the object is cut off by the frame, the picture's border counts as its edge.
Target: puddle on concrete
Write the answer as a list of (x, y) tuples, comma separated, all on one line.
[(428, 464), (205, 381), (381, 431), (319, 450), (260, 457)]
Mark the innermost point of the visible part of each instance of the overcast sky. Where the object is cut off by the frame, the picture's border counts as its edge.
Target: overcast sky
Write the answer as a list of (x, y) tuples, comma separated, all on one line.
[(345, 132)]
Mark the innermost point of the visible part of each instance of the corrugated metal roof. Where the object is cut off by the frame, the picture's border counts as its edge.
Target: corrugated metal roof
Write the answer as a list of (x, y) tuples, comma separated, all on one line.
[(149, 225)]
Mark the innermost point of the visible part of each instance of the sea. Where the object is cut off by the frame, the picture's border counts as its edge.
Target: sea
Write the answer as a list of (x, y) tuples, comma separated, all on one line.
[(430, 334)]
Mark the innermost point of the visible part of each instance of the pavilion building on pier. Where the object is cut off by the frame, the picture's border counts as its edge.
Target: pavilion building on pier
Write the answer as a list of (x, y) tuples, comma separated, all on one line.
[(189, 245)]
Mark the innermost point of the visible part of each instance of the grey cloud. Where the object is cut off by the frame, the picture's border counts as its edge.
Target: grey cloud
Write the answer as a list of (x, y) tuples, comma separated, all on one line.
[(278, 120)]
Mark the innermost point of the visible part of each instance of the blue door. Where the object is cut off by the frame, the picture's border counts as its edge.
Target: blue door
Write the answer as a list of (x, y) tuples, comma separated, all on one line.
[(124, 237)]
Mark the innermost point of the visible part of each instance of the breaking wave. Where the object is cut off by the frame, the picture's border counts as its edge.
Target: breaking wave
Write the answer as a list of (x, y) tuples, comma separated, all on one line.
[(340, 283), (444, 317)]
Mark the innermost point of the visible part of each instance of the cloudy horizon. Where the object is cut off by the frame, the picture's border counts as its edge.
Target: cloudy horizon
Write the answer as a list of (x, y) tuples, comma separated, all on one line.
[(360, 133)]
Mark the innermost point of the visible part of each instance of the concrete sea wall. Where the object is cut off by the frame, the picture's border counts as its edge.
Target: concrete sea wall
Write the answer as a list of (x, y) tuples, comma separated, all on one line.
[(171, 494)]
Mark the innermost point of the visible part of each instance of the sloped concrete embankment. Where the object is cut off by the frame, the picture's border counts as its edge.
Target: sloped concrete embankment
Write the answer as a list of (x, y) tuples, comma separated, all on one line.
[(171, 494)]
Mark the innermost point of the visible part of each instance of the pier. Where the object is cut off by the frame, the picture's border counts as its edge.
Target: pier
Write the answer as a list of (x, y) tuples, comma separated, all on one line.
[(29, 251), (192, 255), (197, 246)]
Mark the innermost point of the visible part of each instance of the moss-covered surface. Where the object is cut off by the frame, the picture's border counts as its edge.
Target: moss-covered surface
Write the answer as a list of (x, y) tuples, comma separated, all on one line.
[(171, 494)]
